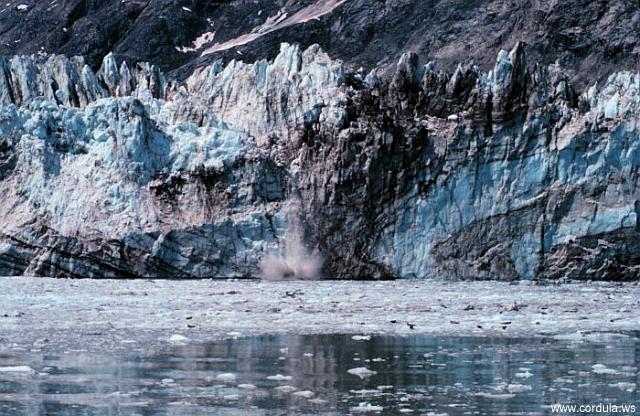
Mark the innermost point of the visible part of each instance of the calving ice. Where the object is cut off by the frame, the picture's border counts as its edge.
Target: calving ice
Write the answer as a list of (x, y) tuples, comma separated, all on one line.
[(295, 261), (319, 207)]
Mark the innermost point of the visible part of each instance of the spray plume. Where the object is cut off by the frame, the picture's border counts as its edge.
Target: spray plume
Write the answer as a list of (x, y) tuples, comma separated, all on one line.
[(296, 262)]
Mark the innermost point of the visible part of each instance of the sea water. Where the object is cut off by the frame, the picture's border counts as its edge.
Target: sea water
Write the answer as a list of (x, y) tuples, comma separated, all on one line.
[(325, 375)]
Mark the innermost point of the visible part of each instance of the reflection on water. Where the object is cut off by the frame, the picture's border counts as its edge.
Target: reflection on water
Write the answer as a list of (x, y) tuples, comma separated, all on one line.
[(299, 375)]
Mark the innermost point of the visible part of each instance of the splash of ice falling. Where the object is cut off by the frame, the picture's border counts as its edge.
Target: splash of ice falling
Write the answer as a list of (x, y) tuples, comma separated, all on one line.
[(296, 262)]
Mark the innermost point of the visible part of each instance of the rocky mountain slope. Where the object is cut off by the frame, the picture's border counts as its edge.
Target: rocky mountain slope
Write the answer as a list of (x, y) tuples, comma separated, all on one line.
[(590, 39), (506, 174)]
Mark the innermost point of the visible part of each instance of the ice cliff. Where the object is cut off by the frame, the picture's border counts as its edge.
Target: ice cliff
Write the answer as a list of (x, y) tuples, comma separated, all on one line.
[(509, 174)]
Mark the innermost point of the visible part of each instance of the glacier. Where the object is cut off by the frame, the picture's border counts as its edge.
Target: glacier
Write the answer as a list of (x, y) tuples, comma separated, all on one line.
[(126, 172)]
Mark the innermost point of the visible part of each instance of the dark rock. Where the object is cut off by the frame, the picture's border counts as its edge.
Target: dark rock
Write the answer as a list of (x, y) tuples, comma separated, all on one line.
[(591, 39)]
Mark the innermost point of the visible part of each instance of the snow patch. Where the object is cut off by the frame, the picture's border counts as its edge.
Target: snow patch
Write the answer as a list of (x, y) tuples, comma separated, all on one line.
[(198, 43), (277, 22)]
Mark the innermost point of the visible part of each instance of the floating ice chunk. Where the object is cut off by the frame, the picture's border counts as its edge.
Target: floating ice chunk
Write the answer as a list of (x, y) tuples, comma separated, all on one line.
[(286, 389), (231, 397), (17, 369), (247, 386), (385, 387), (226, 377), (180, 403), (563, 380), (178, 339), (628, 387), (22, 7), (405, 410), (304, 393), (518, 388), (602, 369), (361, 337), (317, 401), (279, 377), (365, 392), (362, 372), (496, 396), (366, 407), (524, 374), (573, 336), (167, 381)]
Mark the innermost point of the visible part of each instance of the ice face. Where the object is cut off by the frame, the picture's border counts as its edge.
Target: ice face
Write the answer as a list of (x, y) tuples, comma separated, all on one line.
[(502, 175)]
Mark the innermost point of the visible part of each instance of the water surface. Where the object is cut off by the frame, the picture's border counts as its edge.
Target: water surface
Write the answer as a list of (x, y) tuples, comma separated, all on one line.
[(309, 375)]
